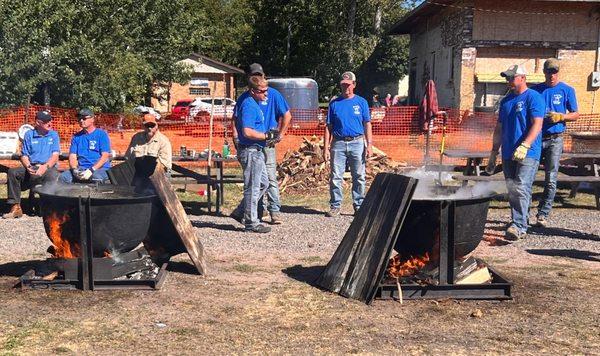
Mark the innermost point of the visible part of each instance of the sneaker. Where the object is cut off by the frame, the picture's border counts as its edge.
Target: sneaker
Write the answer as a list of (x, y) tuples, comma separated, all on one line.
[(261, 229), (513, 234), (541, 221), (237, 216), (333, 212), (276, 218), (14, 213)]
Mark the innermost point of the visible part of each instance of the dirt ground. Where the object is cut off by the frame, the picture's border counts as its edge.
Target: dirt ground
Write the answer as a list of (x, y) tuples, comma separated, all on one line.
[(265, 303)]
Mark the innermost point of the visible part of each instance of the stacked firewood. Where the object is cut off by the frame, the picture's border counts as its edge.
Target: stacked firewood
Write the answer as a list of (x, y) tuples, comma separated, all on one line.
[(306, 168)]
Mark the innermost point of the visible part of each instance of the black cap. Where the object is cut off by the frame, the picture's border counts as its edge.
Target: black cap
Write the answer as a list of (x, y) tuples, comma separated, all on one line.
[(256, 68), (43, 116), (85, 112)]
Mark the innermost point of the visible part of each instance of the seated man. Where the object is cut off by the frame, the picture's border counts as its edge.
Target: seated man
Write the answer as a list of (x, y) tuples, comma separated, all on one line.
[(151, 142), (89, 152), (40, 152)]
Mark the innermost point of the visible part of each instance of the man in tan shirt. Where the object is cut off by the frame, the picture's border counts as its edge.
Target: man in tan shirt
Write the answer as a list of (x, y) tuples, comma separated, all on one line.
[(151, 142)]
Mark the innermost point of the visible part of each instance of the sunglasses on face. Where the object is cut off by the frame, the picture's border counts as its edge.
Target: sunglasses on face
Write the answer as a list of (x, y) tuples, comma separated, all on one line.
[(83, 118), (149, 125), (258, 91), (550, 71)]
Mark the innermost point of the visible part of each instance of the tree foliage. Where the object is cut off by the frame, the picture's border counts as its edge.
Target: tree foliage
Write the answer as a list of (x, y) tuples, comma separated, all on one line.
[(110, 54)]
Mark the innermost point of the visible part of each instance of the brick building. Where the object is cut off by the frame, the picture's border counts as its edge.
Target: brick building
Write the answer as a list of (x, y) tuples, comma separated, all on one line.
[(464, 45), (208, 75)]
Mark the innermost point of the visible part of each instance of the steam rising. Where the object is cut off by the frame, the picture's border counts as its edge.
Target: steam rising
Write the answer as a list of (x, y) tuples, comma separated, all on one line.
[(431, 188)]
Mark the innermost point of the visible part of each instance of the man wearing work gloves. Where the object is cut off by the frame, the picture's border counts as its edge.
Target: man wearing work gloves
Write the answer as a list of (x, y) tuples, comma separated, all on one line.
[(254, 135), (518, 132), (277, 115), (561, 106), (89, 152)]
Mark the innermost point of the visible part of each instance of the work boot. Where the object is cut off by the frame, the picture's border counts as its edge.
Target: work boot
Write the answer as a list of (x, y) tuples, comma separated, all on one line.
[(276, 218), (261, 229), (541, 221), (513, 234), (14, 213), (237, 216), (333, 212)]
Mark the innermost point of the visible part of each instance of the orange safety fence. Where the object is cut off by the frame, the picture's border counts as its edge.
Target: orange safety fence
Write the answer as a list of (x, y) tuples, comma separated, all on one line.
[(396, 130)]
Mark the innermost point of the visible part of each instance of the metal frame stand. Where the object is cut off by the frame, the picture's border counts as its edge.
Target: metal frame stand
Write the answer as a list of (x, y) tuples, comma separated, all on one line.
[(95, 273)]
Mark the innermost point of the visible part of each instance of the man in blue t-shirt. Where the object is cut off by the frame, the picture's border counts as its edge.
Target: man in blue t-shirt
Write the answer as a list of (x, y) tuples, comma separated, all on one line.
[(518, 132), (278, 117), (39, 154), (561, 107), (253, 134), (348, 133), (89, 152)]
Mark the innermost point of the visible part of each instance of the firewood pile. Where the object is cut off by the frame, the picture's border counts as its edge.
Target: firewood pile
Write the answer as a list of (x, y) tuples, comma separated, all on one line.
[(306, 168)]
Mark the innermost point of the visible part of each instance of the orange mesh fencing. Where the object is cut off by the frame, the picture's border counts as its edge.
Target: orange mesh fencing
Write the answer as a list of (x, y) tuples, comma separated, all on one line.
[(396, 130)]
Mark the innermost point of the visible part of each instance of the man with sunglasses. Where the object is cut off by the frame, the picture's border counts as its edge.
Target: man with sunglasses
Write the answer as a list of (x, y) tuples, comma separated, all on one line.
[(253, 134), (561, 107), (89, 152), (518, 132), (151, 142), (39, 154), (278, 117)]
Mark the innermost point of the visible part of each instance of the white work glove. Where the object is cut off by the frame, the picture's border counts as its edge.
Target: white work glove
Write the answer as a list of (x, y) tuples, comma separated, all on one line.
[(521, 152), (491, 166), (86, 175)]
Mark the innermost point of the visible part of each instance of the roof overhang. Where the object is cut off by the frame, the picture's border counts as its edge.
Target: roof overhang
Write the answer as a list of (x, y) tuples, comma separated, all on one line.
[(203, 64)]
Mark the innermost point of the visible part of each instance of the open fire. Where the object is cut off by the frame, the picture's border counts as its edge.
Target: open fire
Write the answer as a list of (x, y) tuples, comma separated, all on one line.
[(63, 248), (398, 268)]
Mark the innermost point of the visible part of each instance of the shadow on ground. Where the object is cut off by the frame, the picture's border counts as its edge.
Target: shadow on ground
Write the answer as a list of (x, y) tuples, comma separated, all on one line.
[(211, 225), (182, 267), (576, 254), (294, 209), (17, 269), (304, 274)]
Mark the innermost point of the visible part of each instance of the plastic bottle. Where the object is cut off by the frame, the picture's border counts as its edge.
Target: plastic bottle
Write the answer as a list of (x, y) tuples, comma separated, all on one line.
[(226, 151)]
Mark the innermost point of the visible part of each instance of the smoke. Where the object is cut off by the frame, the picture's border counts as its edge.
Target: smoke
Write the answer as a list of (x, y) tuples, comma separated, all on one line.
[(430, 187)]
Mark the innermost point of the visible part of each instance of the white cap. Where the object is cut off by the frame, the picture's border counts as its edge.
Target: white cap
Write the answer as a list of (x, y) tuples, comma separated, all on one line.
[(513, 70)]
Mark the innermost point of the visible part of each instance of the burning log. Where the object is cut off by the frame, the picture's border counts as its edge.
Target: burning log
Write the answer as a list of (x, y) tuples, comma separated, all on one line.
[(398, 268), (62, 247), (306, 168)]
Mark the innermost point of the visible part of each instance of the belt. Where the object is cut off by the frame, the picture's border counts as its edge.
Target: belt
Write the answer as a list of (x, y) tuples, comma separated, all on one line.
[(349, 138), (257, 146), (551, 136)]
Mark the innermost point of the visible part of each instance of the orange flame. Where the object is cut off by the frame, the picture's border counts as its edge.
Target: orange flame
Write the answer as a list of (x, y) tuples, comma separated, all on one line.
[(397, 268), (63, 248)]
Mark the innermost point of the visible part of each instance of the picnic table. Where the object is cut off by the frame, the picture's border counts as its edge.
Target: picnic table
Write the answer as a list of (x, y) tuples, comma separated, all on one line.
[(582, 168)]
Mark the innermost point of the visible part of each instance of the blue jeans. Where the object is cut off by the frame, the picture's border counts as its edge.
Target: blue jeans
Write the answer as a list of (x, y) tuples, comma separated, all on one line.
[(273, 198), (256, 182), (352, 153), (551, 151), (99, 175), (519, 178)]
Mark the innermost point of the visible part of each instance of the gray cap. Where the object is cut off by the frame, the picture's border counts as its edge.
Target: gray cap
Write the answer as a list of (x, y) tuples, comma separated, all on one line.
[(348, 77), (552, 63), (513, 71), (85, 112), (43, 116), (256, 68)]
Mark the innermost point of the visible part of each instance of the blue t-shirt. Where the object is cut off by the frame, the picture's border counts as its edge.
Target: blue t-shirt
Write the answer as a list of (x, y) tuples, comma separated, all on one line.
[(516, 116), (251, 116), (559, 98), (89, 147), (39, 148), (273, 107), (347, 116)]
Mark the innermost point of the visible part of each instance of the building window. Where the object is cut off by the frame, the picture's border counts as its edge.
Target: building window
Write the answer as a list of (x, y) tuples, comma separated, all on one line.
[(199, 91)]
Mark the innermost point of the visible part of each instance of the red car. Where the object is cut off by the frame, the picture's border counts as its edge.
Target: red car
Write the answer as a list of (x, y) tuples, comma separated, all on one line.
[(181, 110)]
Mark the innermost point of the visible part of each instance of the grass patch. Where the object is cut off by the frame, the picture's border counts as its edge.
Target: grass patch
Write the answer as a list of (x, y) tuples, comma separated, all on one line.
[(245, 268), (311, 259)]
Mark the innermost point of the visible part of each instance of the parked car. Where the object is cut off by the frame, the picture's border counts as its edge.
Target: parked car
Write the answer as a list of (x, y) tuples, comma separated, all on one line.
[(200, 108), (181, 110)]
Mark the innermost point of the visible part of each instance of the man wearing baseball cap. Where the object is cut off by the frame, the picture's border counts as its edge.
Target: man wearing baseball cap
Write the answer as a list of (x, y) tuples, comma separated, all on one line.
[(151, 142), (89, 152), (278, 117), (561, 107), (39, 154), (348, 140), (518, 132)]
